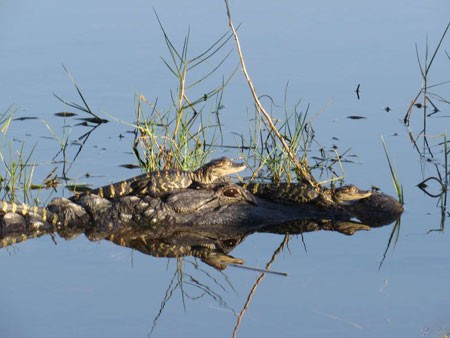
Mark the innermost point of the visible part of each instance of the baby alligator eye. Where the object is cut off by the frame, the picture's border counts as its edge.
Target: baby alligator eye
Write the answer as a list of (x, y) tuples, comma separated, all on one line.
[(231, 192)]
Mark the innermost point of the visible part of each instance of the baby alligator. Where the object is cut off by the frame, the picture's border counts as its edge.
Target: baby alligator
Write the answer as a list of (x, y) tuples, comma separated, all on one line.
[(300, 193), (158, 183)]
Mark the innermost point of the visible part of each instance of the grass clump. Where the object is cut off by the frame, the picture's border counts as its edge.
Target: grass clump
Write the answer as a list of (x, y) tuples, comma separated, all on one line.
[(18, 170), (264, 152), (180, 137), (300, 165)]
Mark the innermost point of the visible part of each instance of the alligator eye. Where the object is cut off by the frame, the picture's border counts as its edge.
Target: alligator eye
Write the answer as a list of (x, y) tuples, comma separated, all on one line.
[(230, 243), (231, 192)]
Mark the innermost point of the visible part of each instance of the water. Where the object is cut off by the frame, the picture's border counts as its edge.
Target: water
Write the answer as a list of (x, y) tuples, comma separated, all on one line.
[(81, 288)]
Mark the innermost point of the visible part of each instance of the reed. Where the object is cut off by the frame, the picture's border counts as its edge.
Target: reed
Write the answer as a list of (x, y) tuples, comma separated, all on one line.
[(396, 182), (424, 91), (395, 232), (180, 136), (18, 173)]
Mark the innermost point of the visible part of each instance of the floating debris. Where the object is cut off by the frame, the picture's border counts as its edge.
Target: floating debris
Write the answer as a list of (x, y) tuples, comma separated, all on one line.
[(129, 166), (65, 114), (356, 117), (24, 118), (357, 91), (94, 120)]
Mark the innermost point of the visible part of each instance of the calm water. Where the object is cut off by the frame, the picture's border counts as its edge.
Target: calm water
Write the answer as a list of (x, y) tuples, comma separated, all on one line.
[(80, 288)]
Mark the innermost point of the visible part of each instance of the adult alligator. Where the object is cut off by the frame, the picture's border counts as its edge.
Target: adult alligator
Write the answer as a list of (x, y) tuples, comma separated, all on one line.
[(205, 222)]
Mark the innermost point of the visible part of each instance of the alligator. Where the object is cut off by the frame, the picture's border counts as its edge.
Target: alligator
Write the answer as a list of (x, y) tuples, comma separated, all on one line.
[(206, 222), (299, 193), (159, 183)]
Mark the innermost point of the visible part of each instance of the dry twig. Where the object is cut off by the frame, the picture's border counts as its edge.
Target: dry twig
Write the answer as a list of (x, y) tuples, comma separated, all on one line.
[(302, 165)]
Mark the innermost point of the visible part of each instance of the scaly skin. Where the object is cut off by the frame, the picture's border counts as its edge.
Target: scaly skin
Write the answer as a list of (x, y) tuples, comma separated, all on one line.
[(27, 210), (162, 182), (66, 216), (301, 193)]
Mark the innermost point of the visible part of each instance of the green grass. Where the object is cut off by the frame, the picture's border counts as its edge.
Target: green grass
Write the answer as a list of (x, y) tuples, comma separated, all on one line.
[(179, 136), (396, 182), (395, 232), (18, 169), (265, 154)]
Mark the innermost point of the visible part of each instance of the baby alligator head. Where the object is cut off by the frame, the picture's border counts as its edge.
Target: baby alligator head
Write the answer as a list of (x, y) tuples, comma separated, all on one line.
[(348, 194), (216, 169)]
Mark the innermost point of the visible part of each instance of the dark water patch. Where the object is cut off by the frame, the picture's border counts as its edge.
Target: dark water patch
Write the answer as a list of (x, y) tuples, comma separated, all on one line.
[(24, 118), (65, 114), (356, 117), (93, 120), (129, 166), (88, 122)]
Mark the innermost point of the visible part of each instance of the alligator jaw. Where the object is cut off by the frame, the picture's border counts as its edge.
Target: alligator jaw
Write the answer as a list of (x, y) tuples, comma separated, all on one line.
[(352, 195), (230, 168)]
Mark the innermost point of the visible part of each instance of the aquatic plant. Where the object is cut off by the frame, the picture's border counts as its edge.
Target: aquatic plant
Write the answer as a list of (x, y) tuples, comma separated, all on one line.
[(18, 170), (424, 90), (302, 164), (423, 143), (395, 232), (179, 136)]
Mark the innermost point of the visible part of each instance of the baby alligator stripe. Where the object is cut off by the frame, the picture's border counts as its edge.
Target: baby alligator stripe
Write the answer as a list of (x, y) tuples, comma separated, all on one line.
[(154, 183), (288, 192), (27, 210), (306, 193)]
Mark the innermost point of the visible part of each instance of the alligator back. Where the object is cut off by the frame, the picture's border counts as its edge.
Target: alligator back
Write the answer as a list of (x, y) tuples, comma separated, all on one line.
[(284, 192), (156, 183)]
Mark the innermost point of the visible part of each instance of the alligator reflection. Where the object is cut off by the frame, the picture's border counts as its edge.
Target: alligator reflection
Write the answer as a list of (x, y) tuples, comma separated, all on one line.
[(204, 223)]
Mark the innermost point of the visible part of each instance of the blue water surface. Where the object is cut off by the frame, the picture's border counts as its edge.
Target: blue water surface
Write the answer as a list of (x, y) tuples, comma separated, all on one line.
[(315, 52)]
